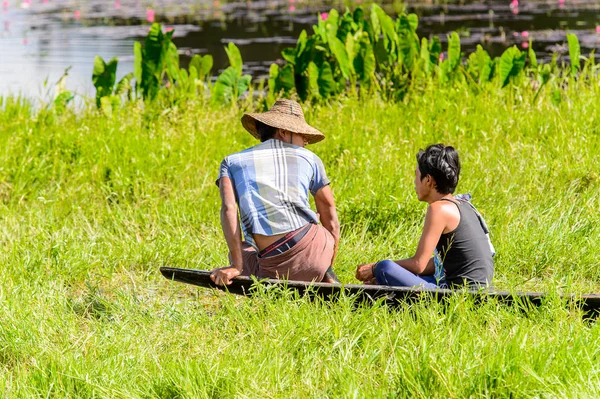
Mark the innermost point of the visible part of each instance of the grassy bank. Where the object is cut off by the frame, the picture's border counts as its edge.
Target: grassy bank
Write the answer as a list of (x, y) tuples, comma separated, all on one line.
[(91, 206)]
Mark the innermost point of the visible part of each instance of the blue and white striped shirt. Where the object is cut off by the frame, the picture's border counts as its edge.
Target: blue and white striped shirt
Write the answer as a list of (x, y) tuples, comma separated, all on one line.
[(271, 182)]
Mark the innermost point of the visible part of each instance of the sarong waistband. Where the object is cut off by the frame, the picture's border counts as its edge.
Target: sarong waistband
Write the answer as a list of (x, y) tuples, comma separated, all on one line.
[(284, 243)]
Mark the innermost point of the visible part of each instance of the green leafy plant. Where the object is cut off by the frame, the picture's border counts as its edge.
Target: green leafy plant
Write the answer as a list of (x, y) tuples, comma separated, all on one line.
[(104, 77), (574, 53), (157, 60), (512, 63), (231, 84)]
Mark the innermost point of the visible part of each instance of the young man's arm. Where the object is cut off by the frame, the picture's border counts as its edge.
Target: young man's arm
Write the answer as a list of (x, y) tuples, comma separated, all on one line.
[(422, 262), (327, 212), (232, 232)]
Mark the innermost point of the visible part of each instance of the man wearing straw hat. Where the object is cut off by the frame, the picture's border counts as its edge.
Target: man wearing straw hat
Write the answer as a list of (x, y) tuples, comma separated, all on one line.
[(268, 185)]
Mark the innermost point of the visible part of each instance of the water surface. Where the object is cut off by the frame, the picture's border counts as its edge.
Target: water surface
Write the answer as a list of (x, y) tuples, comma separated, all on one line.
[(40, 38)]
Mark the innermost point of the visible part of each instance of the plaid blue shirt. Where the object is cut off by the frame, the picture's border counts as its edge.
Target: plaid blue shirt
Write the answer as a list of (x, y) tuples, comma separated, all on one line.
[(271, 182)]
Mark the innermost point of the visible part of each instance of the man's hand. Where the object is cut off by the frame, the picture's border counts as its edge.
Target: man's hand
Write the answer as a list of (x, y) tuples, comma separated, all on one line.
[(223, 275), (365, 272)]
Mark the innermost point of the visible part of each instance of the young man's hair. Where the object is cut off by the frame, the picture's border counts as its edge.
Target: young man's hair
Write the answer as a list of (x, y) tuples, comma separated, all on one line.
[(265, 131), (440, 162)]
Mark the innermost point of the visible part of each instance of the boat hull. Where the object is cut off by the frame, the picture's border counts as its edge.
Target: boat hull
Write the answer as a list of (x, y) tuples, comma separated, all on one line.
[(244, 285)]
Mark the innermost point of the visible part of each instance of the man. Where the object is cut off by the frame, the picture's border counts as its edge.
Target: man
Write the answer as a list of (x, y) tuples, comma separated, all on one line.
[(268, 185)]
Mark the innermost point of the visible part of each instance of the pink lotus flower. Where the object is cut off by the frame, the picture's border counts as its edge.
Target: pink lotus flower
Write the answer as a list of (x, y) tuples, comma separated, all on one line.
[(5, 4), (525, 44), (117, 4), (441, 57), (169, 29), (44, 1), (525, 33), (598, 29), (77, 15), (324, 16), (292, 8), (514, 4), (150, 15)]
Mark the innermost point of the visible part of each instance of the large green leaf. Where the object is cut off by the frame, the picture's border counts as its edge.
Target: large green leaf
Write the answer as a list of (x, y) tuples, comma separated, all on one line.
[(109, 103), (289, 54), (327, 85), (61, 101), (339, 51), (225, 86), (358, 15), (381, 53), (512, 63), (350, 46), (235, 57), (364, 62), (454, 50), (313, 79), (124, 85), (413, 20), (574, 53), (202, 64), (207, 65), (480, 65), (104, 77), (387, 27), (332, 23), (137, 62), (243, 84), (425, 56), (172, 61), (306, 56), (506, 65), (532, 58), (407, 42), (301, 43), (375, 24), (346, 26), (153, 50), (435, 49), (273, 74), (285, 79), (184, 79), (152, 62)]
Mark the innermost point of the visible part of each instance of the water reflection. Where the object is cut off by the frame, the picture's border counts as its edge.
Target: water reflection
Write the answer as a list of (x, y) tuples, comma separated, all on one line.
[(40, 38)]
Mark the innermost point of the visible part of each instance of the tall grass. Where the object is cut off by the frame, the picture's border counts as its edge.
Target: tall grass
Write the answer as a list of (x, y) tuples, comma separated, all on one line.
[(91, 206)]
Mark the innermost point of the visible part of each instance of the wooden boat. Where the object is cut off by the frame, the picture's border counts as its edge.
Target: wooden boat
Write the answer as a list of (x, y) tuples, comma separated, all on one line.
[(243, 286)]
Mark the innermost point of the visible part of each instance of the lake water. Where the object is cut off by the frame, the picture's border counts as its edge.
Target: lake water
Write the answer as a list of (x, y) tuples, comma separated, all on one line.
[(40, 38)]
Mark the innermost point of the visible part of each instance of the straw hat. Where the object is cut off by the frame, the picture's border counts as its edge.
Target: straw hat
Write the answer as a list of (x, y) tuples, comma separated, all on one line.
[(284, 114)]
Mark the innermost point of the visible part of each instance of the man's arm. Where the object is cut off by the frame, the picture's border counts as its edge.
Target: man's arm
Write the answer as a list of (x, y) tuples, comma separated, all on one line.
[(422, 262), (326, 209), (232, 232)]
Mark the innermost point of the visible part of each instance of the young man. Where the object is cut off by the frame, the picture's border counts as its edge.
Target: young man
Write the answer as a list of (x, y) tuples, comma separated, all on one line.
[(268, 185), (452, 227)]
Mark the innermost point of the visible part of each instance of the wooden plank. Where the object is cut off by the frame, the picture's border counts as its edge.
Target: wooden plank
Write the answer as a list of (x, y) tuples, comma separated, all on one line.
[(243, 286)]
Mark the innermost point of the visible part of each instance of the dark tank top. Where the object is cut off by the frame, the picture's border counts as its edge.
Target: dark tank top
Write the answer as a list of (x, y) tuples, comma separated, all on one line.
[(465, 252)]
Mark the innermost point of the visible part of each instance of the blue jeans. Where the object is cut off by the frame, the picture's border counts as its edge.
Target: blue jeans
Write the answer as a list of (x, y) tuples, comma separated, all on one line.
[(390, 273)]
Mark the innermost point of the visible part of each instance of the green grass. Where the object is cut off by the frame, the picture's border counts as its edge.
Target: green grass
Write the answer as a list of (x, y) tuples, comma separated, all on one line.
[(91, 206)]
